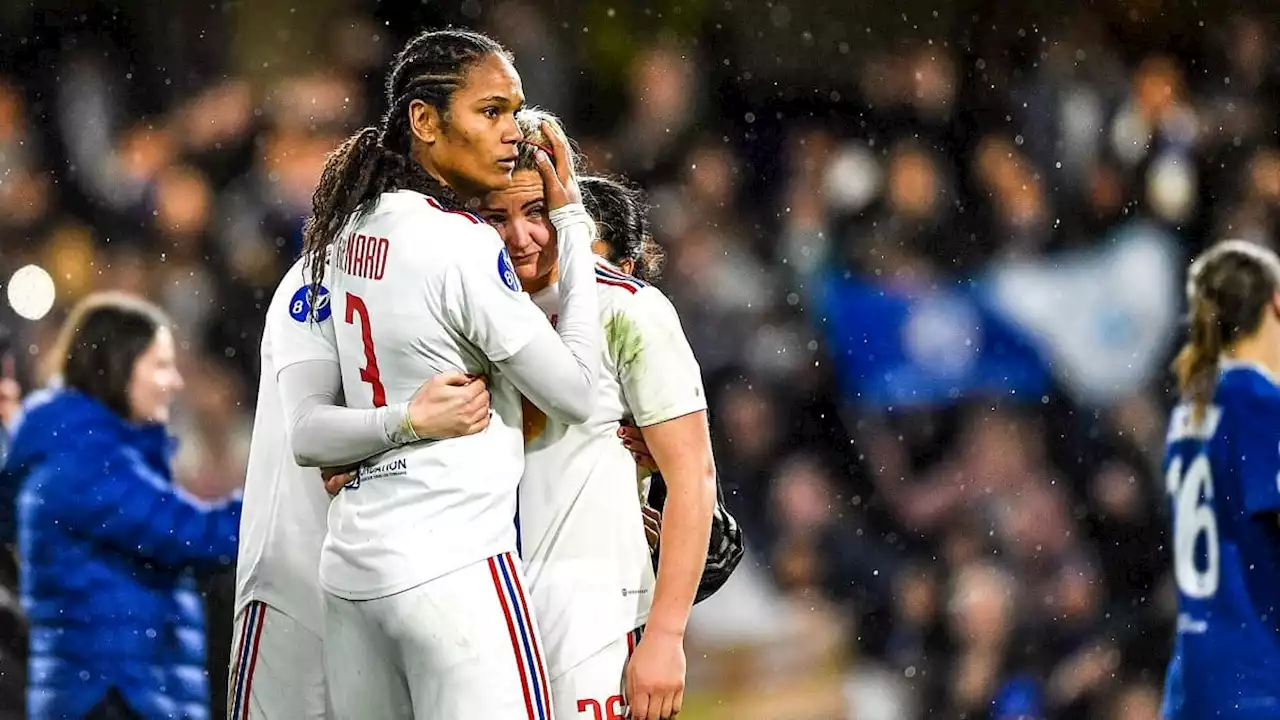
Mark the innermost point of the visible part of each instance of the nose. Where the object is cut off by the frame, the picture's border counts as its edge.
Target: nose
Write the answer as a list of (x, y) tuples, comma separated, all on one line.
[(519, 239), (511, 131)]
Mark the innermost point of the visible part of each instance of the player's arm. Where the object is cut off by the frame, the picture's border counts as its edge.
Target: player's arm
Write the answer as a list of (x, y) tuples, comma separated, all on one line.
[(556, 368), (663, 386), (682, 449), (323, 433), (564, 387)]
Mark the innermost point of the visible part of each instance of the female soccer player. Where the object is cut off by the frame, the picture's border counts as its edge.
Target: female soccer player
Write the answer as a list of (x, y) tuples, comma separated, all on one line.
[(425, 613), (1222, 469), (583, 542)]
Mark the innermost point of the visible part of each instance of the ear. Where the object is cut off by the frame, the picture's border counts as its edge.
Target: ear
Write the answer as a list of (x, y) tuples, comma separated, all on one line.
[(424, 121)]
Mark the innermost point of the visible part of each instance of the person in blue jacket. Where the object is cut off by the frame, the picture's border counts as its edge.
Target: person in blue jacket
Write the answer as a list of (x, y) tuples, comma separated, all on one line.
[(108, 545)]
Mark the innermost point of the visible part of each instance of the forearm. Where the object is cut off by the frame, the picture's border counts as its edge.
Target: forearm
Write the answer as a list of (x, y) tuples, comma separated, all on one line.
[(686, 532), (579, 322), (325, 434)]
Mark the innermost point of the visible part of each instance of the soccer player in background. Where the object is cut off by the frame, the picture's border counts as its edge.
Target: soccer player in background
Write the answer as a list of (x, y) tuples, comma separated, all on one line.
[(277, 669), (1222, 470), (425, 613), (583, 542)]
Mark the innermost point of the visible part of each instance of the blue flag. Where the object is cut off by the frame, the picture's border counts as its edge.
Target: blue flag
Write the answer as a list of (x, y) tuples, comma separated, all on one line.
[(933, 347)]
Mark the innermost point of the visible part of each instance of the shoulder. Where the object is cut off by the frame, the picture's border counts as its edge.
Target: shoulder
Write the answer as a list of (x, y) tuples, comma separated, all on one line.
[(419, 208), (633, 298), (447, 237), (1247, 390), (293, 297), (613, 281)]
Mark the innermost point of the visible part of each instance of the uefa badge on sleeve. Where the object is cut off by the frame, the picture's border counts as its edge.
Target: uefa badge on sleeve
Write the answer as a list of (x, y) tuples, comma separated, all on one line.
[(507, 272), (300, 304)]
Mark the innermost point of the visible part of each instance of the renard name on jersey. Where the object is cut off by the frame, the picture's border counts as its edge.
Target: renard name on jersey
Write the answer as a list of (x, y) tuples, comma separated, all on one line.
[(362, 255)]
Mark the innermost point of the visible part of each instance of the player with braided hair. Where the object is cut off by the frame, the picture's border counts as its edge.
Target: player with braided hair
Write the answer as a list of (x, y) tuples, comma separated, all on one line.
[(583, 542), (424, 604)]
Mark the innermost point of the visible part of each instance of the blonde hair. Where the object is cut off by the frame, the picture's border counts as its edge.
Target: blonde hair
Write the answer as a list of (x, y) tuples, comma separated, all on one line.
[(1228, 290), (530, 120)]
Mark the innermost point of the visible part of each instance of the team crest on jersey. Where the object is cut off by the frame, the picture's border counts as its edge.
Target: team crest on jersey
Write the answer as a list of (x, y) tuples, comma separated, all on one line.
[(507, 272), (300, 305)]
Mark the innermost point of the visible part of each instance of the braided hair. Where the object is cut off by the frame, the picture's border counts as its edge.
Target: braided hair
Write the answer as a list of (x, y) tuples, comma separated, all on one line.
[(431, 68)]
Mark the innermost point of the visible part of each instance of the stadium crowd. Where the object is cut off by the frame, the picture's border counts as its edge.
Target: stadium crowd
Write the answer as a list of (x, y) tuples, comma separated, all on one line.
[(974, 558)]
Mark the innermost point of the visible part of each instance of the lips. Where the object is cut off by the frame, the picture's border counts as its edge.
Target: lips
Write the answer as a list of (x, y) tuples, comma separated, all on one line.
[(508, 163)]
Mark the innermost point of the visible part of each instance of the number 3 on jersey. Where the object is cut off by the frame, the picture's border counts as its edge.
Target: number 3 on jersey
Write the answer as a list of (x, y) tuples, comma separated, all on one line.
[(1193, 519), (368, 373)]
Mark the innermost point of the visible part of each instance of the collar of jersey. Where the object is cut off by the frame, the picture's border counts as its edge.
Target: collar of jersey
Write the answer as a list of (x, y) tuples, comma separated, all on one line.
[(1227, 365)]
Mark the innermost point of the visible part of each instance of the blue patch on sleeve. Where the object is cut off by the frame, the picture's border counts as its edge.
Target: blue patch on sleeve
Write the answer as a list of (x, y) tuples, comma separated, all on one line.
[(507, 272), (300, 305)]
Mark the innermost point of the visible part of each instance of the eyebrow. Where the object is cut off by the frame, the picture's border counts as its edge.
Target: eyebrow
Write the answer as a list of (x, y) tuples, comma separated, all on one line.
[(503, 99)]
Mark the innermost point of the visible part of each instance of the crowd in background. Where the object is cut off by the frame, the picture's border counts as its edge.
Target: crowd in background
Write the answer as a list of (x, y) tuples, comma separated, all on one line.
[(964, 558)]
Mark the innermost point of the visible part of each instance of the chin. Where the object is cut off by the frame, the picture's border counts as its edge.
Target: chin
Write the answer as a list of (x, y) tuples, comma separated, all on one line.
[(500, 180)]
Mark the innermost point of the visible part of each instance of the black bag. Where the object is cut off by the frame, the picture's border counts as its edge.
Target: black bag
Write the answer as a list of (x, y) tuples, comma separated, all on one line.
[(725, 549)]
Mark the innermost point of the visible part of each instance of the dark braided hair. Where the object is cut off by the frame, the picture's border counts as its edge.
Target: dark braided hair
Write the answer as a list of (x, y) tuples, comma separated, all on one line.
[(622, 219), (431, 68)]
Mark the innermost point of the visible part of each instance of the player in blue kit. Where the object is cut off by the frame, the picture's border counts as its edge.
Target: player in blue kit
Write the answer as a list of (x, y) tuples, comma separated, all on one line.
[(1222, 470)]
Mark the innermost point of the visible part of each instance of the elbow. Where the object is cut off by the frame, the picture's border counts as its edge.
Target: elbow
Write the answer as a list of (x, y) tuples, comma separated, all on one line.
[(576, 407), (305, 456), (307, 460), (305, 453), (574, 412)]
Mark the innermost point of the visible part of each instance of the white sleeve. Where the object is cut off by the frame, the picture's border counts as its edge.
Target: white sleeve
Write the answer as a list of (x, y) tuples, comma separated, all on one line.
[(304, 354), (299, 333), (483, 299), (325, 434), (557, 372), (660, 376)]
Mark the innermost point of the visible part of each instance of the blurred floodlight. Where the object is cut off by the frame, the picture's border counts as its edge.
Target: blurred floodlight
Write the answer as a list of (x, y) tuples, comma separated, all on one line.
[(31, 292)]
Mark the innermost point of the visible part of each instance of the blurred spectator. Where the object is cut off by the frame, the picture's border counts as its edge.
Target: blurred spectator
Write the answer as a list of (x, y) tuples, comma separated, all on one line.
[(108, 545)]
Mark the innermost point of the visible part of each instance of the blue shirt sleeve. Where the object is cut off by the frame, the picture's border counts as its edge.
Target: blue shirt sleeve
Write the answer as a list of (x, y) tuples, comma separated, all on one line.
[(1255, 439), (130, 507)]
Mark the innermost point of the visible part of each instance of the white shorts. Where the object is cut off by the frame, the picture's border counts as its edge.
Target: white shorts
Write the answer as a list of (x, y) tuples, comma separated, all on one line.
[(462, 647), (277, 668), (592, 689)]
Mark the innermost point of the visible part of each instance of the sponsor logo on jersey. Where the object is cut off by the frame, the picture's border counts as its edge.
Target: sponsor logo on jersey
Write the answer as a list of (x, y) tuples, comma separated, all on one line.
[(507, 272), (300, 305)]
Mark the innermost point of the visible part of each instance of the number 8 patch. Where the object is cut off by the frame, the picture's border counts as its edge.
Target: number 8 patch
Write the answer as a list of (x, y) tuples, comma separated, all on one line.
[(507, 272), (300, 304)]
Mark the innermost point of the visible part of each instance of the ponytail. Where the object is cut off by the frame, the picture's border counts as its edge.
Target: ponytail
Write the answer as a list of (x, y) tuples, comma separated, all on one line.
[(1196, 366), (648, 267)]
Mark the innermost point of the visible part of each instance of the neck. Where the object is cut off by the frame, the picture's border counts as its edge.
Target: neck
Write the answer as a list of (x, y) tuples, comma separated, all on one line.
[(542, 283), (1261, 349), (424, 161)]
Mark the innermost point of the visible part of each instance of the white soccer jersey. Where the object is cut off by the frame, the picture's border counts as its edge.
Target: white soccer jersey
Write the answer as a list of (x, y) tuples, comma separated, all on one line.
[(418, 291), (582, 534), (282, 525)]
